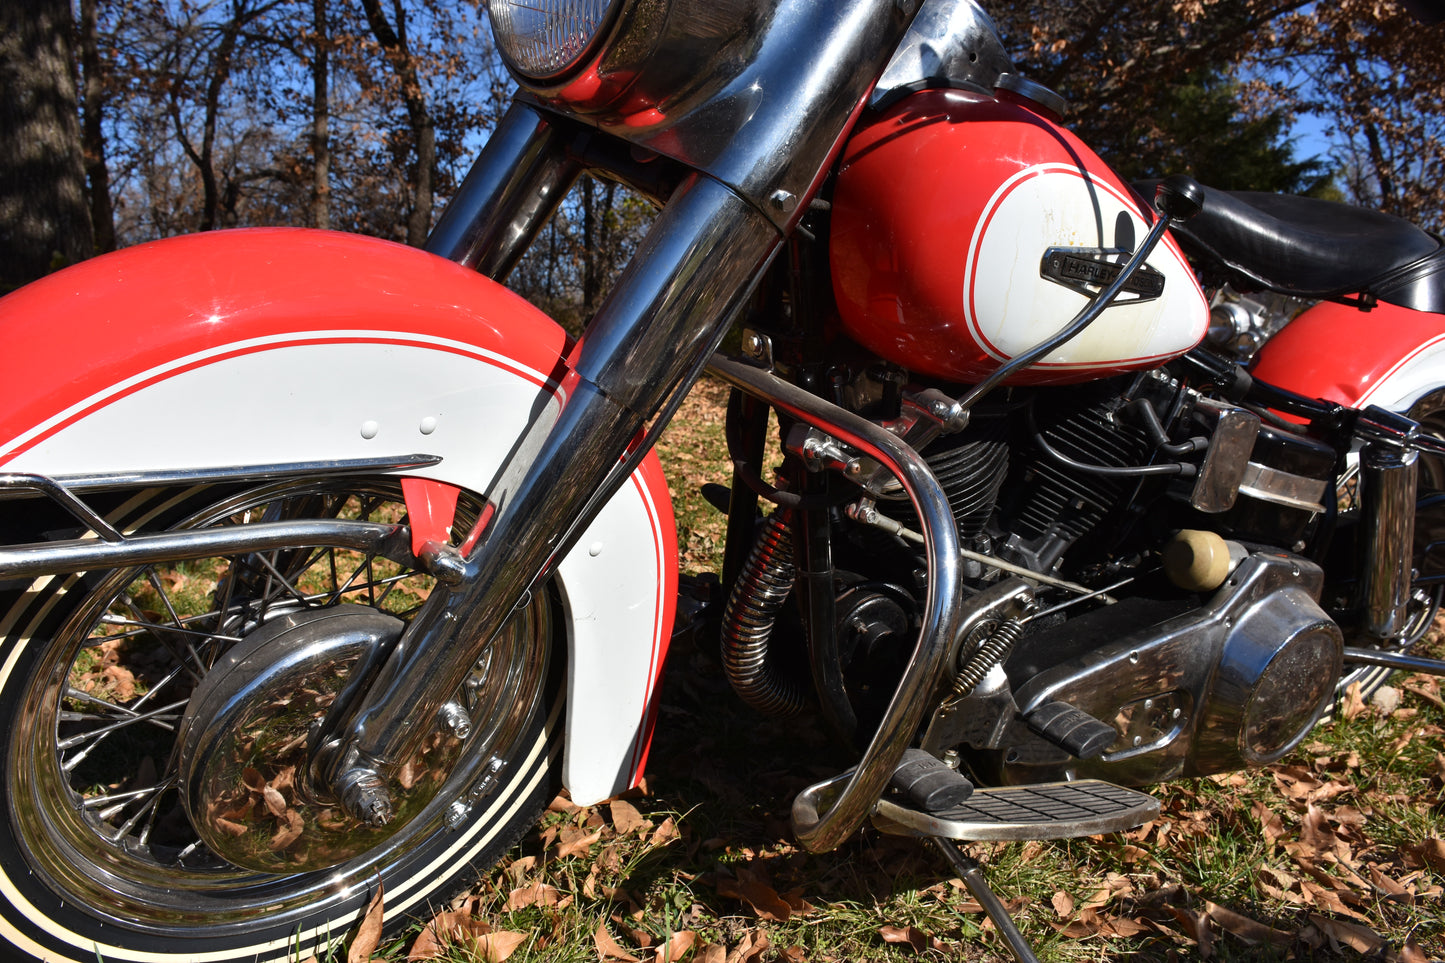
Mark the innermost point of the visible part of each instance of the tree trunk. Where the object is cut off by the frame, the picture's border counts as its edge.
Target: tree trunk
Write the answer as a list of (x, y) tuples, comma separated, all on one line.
[(419, 119), (218, 71), (92, 135), (320, 119), (596, 242), (44, 222)]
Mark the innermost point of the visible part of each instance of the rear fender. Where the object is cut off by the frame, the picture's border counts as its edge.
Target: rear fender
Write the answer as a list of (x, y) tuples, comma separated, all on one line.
[(274, 346), (1389, 356)]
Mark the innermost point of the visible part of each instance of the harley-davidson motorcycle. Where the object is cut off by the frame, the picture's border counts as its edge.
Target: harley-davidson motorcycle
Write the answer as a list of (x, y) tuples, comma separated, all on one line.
[(325, 561)]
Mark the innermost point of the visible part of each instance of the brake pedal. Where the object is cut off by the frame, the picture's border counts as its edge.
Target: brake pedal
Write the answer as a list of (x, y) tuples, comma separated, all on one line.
[(1057, 810)]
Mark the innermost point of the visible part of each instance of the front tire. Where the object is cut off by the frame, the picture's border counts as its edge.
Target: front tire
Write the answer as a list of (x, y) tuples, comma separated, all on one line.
[(98, 858)]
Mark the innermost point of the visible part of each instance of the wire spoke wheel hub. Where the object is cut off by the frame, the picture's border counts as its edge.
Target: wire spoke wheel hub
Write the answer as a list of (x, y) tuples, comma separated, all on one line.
[(254, 727)]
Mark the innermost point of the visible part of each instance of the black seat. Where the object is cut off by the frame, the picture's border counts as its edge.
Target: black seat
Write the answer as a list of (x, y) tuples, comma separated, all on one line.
[(1314, 249)]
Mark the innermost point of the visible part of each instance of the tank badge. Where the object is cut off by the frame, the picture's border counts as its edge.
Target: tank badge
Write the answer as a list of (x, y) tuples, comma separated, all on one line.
[(1087, 270)]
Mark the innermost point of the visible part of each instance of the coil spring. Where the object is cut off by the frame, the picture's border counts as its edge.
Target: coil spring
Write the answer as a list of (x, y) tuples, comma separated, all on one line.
[(762, 588), (993, 651)]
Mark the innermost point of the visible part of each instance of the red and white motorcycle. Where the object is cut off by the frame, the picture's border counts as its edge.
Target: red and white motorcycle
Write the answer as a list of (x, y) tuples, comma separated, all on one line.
[(326, 560)]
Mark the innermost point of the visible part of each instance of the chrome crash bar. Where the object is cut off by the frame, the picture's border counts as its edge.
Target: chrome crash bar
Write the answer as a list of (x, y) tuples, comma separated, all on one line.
[(943, 614)]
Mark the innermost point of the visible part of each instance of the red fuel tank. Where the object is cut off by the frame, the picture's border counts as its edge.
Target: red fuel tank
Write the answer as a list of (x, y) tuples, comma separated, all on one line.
[(967, 229)]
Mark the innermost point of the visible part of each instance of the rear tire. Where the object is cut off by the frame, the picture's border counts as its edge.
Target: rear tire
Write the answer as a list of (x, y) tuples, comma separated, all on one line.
[(97, 857)]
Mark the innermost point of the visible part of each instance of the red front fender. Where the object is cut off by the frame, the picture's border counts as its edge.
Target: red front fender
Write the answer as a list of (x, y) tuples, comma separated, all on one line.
[(275, 346), (73, 335)]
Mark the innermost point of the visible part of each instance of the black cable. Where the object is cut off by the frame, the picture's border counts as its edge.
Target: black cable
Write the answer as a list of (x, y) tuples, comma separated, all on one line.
[(1108, 471)]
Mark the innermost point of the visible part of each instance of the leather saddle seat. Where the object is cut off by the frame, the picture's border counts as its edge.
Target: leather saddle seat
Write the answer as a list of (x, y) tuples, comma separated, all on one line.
[(1314, 249)]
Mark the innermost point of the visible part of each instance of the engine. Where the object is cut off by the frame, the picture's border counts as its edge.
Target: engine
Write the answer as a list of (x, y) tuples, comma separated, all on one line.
[(1179, 631)]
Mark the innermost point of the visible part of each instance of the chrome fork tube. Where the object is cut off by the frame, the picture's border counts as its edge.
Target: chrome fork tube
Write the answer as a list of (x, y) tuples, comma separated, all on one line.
[(517, 181), (694, 270), (1387, 477)]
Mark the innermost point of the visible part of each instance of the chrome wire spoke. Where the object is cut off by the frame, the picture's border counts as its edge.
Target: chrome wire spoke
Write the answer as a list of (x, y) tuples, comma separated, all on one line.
[(161, 636), (157, 717), (141, 627), (155, 582), (388, 583), (117, 802), (80, 695), (131, 712), (125, 828), (97, 802), (295, 592), (351, 579), (144, 837)]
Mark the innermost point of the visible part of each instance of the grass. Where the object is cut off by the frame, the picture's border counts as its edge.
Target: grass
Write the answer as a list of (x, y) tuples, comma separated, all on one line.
[(1333, 854)]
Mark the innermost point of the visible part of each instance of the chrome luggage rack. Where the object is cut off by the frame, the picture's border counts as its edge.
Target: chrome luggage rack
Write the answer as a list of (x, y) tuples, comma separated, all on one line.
[(110, 548)]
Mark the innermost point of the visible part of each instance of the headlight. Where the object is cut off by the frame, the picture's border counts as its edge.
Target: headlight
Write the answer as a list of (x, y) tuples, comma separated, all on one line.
[(544, 39)]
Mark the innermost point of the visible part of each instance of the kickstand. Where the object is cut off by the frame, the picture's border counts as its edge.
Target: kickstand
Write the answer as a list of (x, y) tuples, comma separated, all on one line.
[(972, 875)]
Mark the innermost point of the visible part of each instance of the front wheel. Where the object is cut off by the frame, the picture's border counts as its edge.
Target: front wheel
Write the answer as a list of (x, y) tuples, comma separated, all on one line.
[(99, 850)]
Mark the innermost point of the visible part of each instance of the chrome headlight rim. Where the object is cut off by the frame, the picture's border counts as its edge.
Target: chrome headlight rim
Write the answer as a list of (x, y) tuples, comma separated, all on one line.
[(573, 49)]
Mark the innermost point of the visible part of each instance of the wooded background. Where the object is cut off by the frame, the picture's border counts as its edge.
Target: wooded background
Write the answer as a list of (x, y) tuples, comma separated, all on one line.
[(128, 120)]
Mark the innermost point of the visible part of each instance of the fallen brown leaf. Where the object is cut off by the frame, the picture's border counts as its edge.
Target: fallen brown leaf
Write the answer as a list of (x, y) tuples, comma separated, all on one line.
[(1329, 899), (1433, 852), (1390, 888), (757, 893), (664, 833), (1063, 904), (1428, 696), (1124, 926), (712, 953), (578, 845), (1361, 939), (122, 681), (496, 947), (368, 934), (540, 894), (561, 804), (909, 935), (288, 833), (1196, 927), (1251, 931), (1353, 703), (520, 867), (677, 946), (625, 817), (752, 947), (607, 947)]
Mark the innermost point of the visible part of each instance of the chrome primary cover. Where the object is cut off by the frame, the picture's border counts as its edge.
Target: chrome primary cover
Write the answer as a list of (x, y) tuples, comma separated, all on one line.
[(1237, 682)]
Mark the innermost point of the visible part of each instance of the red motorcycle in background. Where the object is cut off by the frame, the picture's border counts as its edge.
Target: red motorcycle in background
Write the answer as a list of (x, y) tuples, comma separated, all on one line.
[(325, 561)]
